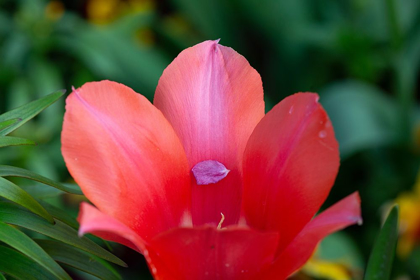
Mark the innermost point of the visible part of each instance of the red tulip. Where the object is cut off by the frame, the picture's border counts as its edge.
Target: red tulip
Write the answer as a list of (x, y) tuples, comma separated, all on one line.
[(202, 183)]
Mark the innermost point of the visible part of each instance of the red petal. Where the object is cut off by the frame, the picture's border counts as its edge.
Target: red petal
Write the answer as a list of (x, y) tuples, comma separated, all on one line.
[(208, 253), (290, 164), (213, 98), (95, 222), (344, 213), (126, 157)]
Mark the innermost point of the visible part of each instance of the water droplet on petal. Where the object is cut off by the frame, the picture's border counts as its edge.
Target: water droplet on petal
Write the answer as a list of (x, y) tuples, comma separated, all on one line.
[(322, 134), (291, 109), (209, 172), (328, 124)]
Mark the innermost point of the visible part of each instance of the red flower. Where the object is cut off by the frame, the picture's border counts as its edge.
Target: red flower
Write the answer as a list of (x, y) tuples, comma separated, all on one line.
[(202, 183)]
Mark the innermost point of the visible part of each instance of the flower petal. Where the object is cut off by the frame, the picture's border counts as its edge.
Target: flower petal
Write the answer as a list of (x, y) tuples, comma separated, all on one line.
[(213, 98), (126, 157), (97, 223), (290, 164), (209, 253), (344, 213)]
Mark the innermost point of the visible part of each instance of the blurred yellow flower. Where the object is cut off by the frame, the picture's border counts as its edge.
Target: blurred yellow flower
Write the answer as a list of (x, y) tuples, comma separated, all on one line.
[(105, 11), (409, 227), (102, 11), (331, 270), (54, 10)]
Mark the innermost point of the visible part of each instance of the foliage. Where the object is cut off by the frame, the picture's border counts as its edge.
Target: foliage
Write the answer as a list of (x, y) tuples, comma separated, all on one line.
[(382, 256), (22, 256)]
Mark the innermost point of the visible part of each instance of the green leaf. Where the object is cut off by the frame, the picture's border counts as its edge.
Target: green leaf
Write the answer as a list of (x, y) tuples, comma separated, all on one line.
[(407, 67), (13, 193), (12, 214), (60, 214), (18, 240), (382, 255), (20, 266), (110, 52), (78, 259), (14, 141), (2, 277), (6, 124), (413, 263), (340, 247), (362, 116), (28, 111), (41, 192), (213, 18), (12, 171)]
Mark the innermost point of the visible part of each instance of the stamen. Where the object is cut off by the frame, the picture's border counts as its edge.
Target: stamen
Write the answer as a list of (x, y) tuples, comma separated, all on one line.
[(219, 226)]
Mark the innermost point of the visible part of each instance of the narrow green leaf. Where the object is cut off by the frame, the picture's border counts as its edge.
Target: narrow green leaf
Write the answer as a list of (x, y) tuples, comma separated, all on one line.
[(12, 171), (73, 257), (40, 192), (13, 214), (60, 214), (2, 277), (13, 193), (5, 124), (14, 141), (20, 266), (21, 242), (28, 111), (382, 255)]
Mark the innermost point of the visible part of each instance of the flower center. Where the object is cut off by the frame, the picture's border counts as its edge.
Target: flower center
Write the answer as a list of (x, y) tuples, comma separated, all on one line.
[(209, 172)]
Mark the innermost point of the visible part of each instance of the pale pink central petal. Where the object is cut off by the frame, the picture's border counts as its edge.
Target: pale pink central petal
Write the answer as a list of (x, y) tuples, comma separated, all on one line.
[(213, 99), (209, 172)]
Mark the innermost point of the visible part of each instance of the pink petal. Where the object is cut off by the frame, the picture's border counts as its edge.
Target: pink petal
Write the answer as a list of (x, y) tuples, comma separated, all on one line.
[(213, 98), (344, 213), (209, 172), (126, 157), (208, 253), (95, 222), (290, 164)]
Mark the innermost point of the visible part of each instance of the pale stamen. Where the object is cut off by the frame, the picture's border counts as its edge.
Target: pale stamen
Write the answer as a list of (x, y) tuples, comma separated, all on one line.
[(219, 226)]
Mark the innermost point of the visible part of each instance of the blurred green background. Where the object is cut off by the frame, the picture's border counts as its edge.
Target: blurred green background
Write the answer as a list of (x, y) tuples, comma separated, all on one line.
[(361, 56)]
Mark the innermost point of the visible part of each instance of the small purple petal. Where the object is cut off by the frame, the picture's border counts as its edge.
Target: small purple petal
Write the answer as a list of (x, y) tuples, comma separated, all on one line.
[(209, 172)]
